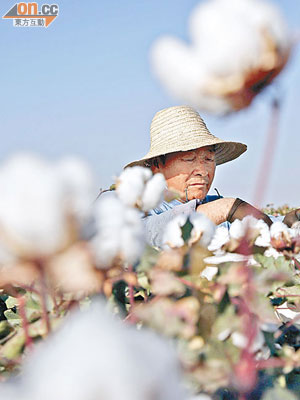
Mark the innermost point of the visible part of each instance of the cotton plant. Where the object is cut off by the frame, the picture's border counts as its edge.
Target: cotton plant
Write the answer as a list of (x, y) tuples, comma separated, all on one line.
[(225, 244), (138, 187), (255, 229), (95, 356), (42, 204), (119, 233), (237, 48), (202, 231)]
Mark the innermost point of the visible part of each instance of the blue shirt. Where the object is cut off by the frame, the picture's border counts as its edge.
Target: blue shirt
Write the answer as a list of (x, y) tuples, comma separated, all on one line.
[(165, 206)]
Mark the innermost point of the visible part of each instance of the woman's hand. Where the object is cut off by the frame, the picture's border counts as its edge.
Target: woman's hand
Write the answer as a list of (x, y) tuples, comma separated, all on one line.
[(292, 217)]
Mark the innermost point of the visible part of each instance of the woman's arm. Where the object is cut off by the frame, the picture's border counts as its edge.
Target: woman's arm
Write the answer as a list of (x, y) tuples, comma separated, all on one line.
[(230, 209)]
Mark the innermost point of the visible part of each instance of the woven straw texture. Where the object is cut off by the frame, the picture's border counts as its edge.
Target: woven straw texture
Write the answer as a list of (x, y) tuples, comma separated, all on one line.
[(181, 128)]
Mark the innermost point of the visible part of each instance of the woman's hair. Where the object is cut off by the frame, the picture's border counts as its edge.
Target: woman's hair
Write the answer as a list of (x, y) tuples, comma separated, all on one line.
[(155, 161)]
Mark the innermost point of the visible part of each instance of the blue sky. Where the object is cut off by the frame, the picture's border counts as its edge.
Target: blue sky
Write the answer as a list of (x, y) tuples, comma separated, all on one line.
[(84, 86)]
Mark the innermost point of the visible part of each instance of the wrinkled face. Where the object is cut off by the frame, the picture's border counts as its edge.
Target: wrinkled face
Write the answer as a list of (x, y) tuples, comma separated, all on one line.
[(189, 172)]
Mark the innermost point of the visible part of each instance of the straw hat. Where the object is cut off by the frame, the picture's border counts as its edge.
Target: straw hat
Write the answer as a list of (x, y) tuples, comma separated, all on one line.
[(181, 128)]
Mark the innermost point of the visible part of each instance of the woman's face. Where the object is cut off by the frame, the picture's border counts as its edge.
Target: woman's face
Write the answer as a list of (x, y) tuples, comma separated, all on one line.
[(189, 173)]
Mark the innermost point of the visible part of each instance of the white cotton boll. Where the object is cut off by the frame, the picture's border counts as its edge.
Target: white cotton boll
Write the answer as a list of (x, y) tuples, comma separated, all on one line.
[(32, 214), (227, 257), (200, 397), (277, 229), (109, 215), (241, 341), (176, 66), (286, 313), (202, 231), (203, 228), (6, 256), (237, 229), (271, 252), (154, 192), (106, 250), (132, 246), (236, 28), (78, 183), (220, 238), (265, 16), (232, 42), (181, 71), (209, 273), (100, 358), (224, 334), (120, 232), (131, 184), (264, 238), (295, 230), (132, 237), (226, 42), (173, 235), (13, 391)]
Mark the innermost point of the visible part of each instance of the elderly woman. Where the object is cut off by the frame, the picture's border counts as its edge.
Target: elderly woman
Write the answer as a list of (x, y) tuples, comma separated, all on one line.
[(186, 153)]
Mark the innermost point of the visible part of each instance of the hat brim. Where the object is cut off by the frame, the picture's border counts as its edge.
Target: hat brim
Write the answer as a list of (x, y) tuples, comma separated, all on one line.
[(225, 152)]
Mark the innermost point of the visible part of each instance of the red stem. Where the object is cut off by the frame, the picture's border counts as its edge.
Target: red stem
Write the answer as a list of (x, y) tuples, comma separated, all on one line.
[(25, 324), (273, 363), (43, 295), (268, 155), (187, 283)]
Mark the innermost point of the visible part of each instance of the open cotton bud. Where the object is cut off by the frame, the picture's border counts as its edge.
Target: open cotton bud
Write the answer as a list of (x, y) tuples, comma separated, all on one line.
[(173, 234), (120, 232), (286, 313), (137, 187), (220, 238), (209, 273), (78, 183), (131, 183), (280, 235), (240, 340), (202, 231), (237, 48), (116, 362), (37, 218), (255, 229), (154, 192)]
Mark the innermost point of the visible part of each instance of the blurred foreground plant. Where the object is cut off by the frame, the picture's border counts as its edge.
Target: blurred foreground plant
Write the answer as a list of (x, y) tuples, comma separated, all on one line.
[(228, 299), (237, 48)]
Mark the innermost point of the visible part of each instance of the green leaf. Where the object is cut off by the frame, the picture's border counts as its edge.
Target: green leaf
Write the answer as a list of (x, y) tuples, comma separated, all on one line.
[(224, 303), (265, 262), (5, 329), (279, 263), (11, 302), (13, 318), (148, 260), (290, 293), (14, 347), (186, 230)]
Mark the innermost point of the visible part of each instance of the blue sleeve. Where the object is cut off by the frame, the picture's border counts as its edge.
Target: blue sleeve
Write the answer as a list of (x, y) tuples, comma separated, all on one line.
[(208, 199)]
